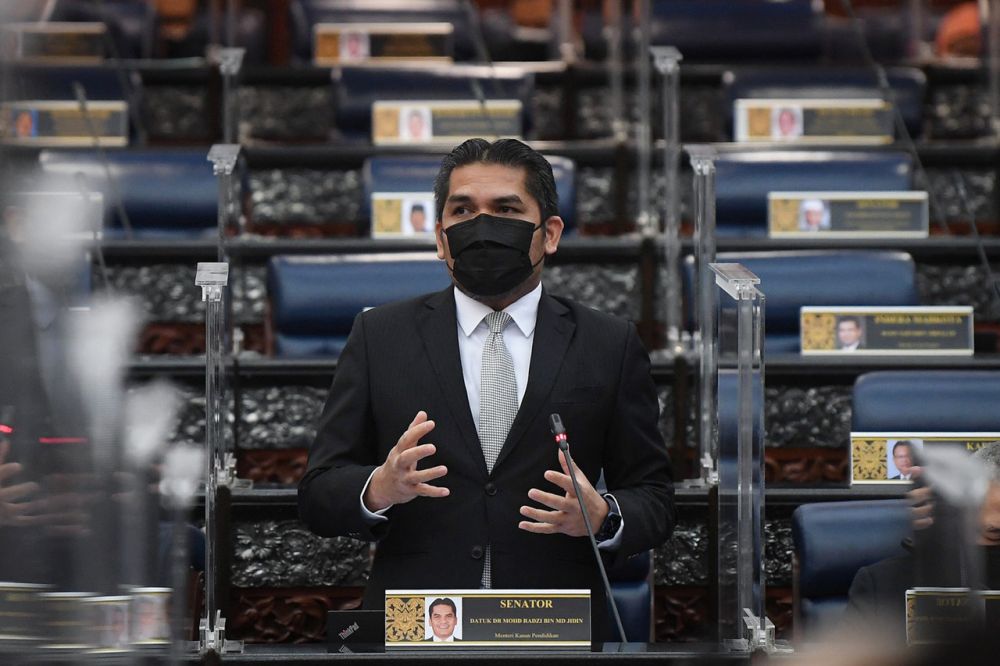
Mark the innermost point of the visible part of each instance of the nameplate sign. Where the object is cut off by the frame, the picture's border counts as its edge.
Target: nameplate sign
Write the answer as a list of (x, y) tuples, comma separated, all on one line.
[(487, 618), (887, 331), (403, 215), (448, 122), (937, 615), (847, 215), (888, 457), (817, 121), (55, 43), (381, 43), (46, 123)]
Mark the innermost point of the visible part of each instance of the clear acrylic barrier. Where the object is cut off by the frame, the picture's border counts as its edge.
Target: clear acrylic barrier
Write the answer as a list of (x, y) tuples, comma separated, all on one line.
[(703, 165), (667, 61), (738, 360)]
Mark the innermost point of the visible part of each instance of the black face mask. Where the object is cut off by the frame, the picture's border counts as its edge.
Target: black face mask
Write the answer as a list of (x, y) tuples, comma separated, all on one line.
[(491, 253)]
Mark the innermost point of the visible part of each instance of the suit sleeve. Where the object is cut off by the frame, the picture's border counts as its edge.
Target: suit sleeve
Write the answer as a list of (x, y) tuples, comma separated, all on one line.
[(636, 465), (862, 610), (344, 454)]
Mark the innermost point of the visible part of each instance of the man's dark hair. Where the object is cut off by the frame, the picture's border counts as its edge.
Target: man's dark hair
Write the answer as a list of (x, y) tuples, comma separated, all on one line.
[(905, 442), (417, 208), (444, 601), (851, 319), (538, 178)]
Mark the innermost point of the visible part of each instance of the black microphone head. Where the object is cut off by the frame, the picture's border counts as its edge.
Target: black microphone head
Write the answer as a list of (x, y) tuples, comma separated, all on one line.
[(556, 425)]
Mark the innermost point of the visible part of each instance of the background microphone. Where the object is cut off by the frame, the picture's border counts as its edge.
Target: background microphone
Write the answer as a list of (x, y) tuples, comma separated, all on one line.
[(559, 433)]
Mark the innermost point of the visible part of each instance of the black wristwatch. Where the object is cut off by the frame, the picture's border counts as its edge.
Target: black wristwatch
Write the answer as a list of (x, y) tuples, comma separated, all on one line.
[(612, 523)]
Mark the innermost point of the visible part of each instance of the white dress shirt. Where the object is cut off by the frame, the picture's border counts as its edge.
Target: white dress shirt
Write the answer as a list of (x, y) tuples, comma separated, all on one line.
[(519, 337)]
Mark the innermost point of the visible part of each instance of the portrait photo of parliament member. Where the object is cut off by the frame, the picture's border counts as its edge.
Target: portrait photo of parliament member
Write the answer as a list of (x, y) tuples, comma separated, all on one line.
[(434, 441)]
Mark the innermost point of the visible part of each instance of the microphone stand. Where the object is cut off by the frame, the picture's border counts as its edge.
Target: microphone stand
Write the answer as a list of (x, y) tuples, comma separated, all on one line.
[(559, 433)]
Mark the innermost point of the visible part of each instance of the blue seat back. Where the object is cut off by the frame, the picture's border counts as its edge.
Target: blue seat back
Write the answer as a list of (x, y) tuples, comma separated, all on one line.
[(791, 280), (56, 82), (416, 174), (743, 180), (633, 593), (314, 299), (927, 401), (909, 86), (720, 29), (832, 541), (164, 192), (358, 88)]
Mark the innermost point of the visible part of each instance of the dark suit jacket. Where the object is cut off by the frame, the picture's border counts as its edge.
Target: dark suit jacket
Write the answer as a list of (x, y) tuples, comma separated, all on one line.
[(877, 598), (403, 357)]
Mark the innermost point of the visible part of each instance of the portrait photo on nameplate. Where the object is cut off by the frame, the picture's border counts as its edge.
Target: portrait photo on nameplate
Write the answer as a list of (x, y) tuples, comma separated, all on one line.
[(451, 619), (889, 457), (847, 215), (382, 43), (813, 121), (396, 123), (886, 331)]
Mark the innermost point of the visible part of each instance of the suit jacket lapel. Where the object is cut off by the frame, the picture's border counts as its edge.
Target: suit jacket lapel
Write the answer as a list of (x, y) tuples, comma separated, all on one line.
[(439, 330), (553, 331)]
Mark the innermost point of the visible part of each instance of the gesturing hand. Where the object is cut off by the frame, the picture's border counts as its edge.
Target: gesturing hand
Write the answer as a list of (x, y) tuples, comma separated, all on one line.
[(398, 480), (565, 517), (13, 511)]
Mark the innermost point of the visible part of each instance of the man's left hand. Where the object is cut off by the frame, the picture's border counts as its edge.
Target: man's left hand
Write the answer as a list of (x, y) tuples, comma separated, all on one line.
[(565, 517)]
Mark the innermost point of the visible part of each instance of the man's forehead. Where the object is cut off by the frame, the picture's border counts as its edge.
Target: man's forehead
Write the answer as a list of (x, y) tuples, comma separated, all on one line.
[(490, 180)]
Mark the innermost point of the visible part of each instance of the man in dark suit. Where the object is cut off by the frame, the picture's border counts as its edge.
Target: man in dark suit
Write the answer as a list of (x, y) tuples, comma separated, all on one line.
[(435, 439), (877, 597)]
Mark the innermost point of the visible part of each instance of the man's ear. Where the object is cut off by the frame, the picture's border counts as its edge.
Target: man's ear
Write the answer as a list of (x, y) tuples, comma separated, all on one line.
[(552, 228), (439, 239)]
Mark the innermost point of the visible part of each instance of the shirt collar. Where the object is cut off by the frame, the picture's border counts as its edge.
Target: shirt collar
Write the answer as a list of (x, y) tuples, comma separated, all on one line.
[(524, 311)]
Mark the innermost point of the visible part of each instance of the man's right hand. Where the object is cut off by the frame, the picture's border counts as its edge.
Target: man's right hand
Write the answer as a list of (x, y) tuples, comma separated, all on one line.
[(398, 480)]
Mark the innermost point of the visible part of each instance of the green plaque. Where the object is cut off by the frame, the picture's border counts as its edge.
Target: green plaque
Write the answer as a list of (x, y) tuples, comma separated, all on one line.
[(886, 331), (487, 618), (46, 123), (817, 121), (382, 43), (847, 214), (447, 122), (887, 457)]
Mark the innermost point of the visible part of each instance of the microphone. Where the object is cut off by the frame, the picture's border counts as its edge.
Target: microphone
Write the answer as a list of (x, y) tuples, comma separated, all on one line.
[(559, 433)]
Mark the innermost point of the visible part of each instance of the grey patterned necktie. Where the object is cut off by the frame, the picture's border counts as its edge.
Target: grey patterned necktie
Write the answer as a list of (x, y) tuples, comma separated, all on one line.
[(497, 404)]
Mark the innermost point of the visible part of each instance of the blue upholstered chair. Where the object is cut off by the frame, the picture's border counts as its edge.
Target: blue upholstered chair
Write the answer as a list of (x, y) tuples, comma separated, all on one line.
[(357, 88), (927, 401), (314, 299), (416, 174), (743, 180), (909, 86), (832, 541), (723, 30), (165, 193), (791, 280), (632, 588)]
